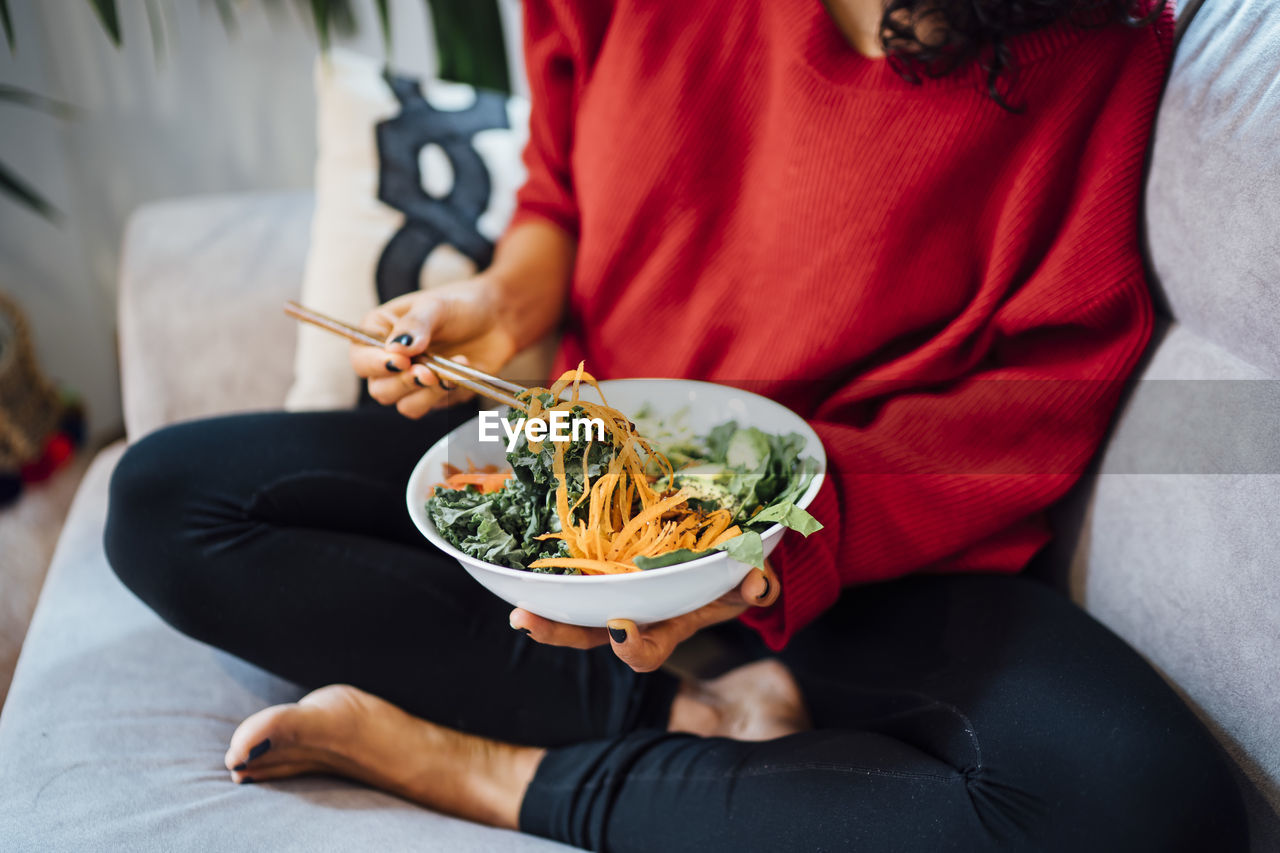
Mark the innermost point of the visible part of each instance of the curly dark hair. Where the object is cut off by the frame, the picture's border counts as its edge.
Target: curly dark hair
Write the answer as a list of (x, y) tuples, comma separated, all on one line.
[(964, 31)]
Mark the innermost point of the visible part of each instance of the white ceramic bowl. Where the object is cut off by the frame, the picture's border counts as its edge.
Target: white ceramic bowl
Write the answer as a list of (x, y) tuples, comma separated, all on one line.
[(642, 597)]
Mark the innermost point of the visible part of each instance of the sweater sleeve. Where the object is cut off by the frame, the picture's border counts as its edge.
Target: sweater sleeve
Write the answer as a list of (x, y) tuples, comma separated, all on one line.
[(953, 477), (556, 63), (945, 458)]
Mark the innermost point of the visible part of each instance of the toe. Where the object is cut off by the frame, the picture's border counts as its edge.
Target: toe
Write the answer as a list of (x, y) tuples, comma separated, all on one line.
[(267, 773), (260, 737)]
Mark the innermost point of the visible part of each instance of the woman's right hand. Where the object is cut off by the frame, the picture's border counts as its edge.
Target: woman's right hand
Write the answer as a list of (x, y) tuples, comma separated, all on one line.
[(459, 320)]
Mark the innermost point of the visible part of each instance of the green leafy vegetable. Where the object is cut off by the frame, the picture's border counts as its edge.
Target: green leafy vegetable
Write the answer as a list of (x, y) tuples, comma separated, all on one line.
[(680, 555), (757, 476), (789, 515), (747, 548)]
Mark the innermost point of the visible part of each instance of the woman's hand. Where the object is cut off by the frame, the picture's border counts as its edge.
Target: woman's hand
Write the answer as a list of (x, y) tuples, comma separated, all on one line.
[(483, 321), (459, 320), (644, 648)]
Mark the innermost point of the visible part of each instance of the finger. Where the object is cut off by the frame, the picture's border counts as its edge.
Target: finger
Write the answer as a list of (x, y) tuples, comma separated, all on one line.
[(646, 650), (418, 403), (760, 588), (445, 383), (419, 376), (374, 363), (388, 391), (412, 332), (422, 378), (557, 633), (380, 320)]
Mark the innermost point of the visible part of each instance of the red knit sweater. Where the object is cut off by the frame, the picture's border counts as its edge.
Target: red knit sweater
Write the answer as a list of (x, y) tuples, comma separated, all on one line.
[(949, 292)]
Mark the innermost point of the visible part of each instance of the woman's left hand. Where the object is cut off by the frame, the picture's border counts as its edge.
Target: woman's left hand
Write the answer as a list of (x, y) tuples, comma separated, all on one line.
[(644, 648)]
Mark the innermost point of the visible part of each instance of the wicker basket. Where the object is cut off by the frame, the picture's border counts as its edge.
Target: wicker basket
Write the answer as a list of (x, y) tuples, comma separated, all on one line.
[(29, 403)]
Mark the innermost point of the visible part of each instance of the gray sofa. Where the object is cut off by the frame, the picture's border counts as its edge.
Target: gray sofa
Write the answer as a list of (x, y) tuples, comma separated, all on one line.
[(113, 734)]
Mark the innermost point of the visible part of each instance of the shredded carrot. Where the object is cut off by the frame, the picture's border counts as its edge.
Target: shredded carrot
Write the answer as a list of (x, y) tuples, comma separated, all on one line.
[(626, 517), (485, 481)]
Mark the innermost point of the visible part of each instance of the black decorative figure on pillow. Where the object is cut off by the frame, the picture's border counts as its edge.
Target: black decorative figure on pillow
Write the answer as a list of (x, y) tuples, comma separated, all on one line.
[(429, 221)]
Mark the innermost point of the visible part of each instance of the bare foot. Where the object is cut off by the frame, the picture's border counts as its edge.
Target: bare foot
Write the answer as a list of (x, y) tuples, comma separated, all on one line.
[(342, 730), (759, 701)]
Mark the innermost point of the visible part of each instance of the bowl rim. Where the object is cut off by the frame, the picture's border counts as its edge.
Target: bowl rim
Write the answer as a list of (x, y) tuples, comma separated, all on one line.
[(427, 527)]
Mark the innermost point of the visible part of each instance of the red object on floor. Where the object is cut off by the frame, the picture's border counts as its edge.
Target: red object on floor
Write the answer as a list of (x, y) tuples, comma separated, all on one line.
[(950, 292), (58, 450)]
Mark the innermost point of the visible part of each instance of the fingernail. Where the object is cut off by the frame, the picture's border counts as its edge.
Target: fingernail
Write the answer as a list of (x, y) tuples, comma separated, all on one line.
[(618, 635), (418, 382), (246, 780), (240, 766), (259, 750), (392, 367), (403, 340), (447, 385), (762, 596)]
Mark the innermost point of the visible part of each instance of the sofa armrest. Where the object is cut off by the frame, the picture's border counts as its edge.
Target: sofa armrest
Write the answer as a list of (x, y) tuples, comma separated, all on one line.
[(202, 281)]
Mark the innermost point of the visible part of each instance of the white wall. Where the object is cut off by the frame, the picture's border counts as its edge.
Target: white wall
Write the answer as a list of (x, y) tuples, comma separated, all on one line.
[(214, 112)]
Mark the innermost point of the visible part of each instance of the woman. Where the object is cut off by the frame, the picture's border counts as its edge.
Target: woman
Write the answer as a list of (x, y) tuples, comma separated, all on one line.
[(916, 226)]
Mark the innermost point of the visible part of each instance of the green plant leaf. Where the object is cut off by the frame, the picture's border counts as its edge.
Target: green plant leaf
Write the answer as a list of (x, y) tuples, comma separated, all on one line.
[(26, 98), (22, 192), (6, 23), (320, 16), (342, 17), (470, 44), (155, 23), (226, 14), (384, 20), (110, 17)]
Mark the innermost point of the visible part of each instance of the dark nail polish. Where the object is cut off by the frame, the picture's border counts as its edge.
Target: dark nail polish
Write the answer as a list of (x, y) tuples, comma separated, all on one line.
[(762, 596), (402, 340), (260, 750), (418, 382), (240, 766), (618, 635), (392, 367), (246, 780), (447, 385)]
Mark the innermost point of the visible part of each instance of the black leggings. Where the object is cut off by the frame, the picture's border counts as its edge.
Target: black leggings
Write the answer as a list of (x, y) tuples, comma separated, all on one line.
[(968, 713)]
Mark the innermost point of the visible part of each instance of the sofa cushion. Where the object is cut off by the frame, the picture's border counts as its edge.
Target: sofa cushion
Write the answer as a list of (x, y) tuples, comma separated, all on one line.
[(202, 284), (115, 728), (1175, 547), (1213, 194)]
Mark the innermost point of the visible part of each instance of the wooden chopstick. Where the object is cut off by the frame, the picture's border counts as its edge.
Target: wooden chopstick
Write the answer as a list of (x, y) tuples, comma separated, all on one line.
[(499, 390)]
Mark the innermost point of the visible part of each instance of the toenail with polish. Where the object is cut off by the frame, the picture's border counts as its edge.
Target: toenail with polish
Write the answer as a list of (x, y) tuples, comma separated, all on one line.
[(402, 340), (259, 750), (240, 766), (618, 635), (391, 365)]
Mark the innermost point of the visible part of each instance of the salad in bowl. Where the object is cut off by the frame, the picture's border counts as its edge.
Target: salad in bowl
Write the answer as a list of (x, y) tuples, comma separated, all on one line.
[(641, 517)]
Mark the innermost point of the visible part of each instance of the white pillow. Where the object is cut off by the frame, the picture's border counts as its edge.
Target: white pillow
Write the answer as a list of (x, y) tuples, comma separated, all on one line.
[(445, 160)]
